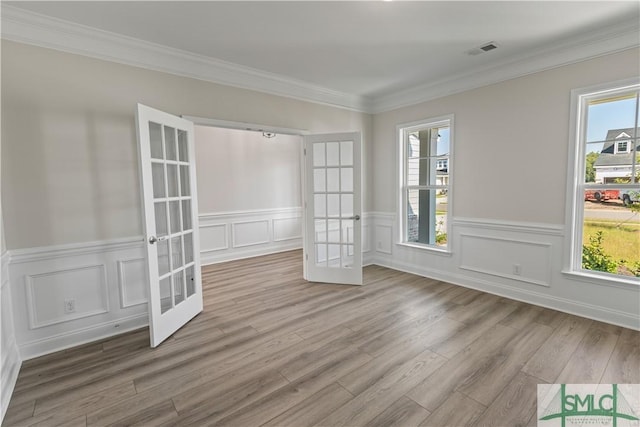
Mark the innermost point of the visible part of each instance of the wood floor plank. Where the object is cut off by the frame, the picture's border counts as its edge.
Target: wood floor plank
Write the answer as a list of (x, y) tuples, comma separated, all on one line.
[(554, 354), (456, 411), (404, 412), (312, 409), (270, 348)]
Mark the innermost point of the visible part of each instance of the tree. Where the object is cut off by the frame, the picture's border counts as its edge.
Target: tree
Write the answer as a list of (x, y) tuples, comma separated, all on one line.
[(590, 172)]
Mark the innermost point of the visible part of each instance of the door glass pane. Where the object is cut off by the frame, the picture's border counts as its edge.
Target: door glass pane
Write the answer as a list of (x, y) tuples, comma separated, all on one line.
[(334, 255), (320, 230), (333, 154), (321, 254), (188, 248), (155, 137), (176, 251), (183, 146), (346, 153), (163, 257), (318, 154), (347, 231), (186, 215), (172, 180), (346, 181), (161, 219), (333, 179), (319, 180), (191, 281), (170, 142), (185, 189), (178, 287), (174, 214), (319, 205), (347, 256), (347, 205), (334, 230), (165, 294), (333, 205), (157, 171)]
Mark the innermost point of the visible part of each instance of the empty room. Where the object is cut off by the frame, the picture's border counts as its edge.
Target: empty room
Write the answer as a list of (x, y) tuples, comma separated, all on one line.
[(320, 213)]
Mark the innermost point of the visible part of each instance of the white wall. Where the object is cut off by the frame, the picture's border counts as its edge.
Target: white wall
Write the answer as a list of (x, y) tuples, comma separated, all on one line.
[(248, 193), (509, 191)]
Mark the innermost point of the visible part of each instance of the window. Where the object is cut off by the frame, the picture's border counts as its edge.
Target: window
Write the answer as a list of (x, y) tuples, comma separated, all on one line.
[(605, 183), (425, 196)]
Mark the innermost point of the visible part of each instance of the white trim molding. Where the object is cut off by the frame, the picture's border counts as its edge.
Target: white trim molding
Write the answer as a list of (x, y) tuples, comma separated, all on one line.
[(10, 360), (27, 27)]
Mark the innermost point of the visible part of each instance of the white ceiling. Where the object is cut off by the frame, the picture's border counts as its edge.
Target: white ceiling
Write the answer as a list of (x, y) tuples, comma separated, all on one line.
[(370, 49)]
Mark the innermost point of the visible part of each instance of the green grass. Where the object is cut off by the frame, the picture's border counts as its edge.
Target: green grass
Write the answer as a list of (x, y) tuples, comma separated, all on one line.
[(622, 241)]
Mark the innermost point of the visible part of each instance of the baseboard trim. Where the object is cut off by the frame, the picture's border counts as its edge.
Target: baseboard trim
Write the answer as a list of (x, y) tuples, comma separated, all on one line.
[(36, 348), (209, 258), (588, 311)]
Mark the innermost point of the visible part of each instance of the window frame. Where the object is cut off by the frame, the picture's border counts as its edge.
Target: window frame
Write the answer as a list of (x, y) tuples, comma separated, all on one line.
[(576, 168), (402, 133), (617, 147)]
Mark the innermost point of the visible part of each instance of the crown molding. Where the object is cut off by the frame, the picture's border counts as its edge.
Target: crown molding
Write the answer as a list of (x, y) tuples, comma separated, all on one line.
[(20, 25), (605, 41), (23, 26)]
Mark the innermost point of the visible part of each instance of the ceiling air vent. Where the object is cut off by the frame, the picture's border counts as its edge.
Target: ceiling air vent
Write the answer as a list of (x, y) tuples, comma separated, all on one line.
[(481, 49)]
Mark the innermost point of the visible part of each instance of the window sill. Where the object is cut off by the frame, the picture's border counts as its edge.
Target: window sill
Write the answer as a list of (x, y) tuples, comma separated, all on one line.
[(602, 280), (433, 249)]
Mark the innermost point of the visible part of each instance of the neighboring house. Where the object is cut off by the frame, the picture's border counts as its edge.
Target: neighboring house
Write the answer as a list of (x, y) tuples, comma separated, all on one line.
[(442, 170), (616, 156)]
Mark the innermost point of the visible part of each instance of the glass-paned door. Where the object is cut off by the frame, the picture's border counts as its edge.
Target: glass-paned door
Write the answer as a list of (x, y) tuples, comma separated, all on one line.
[(333, 242), (167, 165)]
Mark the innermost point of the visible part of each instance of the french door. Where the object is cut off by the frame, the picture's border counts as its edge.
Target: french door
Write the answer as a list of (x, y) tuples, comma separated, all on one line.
[(333, 230), (167, 165)]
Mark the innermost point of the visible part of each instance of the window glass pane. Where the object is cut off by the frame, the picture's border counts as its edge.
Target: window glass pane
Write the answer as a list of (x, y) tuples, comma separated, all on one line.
[(172, 180), (155, 138), (442, 142), (161, 219), (188, 248), (347, 205), (183, 146), (426, 217), (170, 142), (346, 179), (421, 171), (157, 172), (333, 153), (319, 180), (318, 154), (185, 189), (609, 119), (186, 215), (347, 256), (165, 294), (610, 233), (321, 254), (334, 230), (333, 205), (319, 205), (333, 179), (176, 251), (174, 215), (178, 287), (163, 257), (191, 281), (347, 231), (334, 255), (346, 153), (320, 230)]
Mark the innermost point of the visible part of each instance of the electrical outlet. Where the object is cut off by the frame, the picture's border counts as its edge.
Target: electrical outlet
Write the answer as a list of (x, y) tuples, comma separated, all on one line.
[(69, 306), (517, 269)]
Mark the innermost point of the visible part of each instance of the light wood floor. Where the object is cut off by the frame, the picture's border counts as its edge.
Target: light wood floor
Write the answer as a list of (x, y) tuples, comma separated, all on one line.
[(270, 349)]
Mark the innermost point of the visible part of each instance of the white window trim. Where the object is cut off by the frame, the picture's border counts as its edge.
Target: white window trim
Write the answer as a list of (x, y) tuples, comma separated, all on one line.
[(401, 194), (617, 151), (572, 260)]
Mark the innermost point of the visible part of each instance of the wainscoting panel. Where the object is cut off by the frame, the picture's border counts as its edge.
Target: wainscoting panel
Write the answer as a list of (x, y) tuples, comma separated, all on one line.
[(227, 236), (132, 279)]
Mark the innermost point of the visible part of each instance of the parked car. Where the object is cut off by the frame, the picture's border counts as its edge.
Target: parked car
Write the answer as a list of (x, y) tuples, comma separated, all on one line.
[(629, 197), (601, 195)]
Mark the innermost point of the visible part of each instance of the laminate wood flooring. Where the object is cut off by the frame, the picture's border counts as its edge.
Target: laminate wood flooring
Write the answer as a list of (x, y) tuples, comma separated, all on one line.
[(271, 349)]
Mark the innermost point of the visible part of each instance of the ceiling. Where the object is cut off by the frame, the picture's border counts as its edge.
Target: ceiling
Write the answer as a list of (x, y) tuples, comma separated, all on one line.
[(368, 49)]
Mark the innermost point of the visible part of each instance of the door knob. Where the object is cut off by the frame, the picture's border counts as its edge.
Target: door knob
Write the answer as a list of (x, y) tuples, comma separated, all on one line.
[(152, 240), (356, 217)]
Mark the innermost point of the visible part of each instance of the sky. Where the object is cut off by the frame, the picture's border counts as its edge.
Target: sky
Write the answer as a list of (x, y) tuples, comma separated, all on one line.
[(609, 115)]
